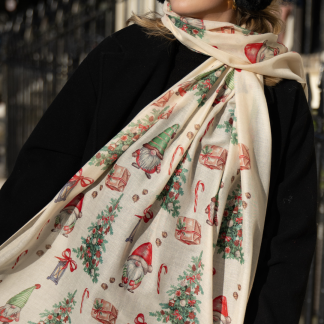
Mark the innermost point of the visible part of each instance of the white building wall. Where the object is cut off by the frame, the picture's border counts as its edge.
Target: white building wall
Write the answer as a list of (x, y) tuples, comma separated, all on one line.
[(124, 9)]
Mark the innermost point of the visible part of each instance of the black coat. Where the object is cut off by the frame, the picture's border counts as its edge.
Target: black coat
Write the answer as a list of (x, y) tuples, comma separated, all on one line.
[(116, 80)]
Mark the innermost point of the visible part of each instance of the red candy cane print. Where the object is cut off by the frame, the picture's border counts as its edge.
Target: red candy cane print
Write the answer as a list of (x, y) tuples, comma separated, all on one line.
[(206, 130), (196, 192), (21, 254), (174, 154), (42, 229), (85, 291), (159, 275)]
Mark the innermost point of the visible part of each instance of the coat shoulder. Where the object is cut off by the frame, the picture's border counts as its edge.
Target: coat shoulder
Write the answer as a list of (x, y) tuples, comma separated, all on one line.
[(289, 96), (132, 39)]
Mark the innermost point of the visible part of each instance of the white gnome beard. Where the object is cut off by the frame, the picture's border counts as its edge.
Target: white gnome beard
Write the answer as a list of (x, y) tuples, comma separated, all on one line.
[(10, 311), (65, 218), (146, 160), (133, 272), (72, 217), (217, 320), (265, 54)]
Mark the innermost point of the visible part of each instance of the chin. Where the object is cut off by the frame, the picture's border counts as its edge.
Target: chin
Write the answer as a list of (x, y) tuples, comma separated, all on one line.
[(196, 9)]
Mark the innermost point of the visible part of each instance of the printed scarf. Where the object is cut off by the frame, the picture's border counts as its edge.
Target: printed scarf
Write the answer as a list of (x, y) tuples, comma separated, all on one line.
[(164, 223)]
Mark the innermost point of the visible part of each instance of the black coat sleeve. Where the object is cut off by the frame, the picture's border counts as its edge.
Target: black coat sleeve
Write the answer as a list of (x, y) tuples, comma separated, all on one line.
[(53, 152), (281, 280)]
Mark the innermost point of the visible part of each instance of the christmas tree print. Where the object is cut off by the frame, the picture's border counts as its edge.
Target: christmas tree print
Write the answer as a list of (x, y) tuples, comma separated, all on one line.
[(189, 29), (231, 231), (183, 304), (125, 138), (228, 126), (206, 81), (173, 189), (92, 247), (61, 312)]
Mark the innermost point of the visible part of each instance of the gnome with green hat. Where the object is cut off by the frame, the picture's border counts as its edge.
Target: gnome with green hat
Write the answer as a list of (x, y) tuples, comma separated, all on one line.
[(11, 311), (149, 157)]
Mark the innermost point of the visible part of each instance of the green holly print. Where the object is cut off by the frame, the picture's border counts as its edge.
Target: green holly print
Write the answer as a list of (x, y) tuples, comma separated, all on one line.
[(183, 304), (173, 189), (228, 126), (230, 234), (189, 29), (61, 312), (245, 31), (94, 245), (107, 155)]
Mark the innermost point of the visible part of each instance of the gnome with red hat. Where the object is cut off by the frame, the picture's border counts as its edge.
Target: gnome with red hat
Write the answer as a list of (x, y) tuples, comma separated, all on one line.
[(11, 310), (66, 219), (259, 52), (220, 313), (149, 157), (138, 264)]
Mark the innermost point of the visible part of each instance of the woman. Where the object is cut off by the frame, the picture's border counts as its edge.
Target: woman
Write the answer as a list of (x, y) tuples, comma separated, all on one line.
[(212, 171)]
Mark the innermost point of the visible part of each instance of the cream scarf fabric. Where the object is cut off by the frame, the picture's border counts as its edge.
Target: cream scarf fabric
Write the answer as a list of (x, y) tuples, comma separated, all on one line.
[(164, 223)]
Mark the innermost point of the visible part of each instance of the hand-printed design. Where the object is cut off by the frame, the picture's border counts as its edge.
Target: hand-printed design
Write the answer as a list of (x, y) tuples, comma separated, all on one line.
[(104, 312), (92, 247), (65, 221), (202, 82), (42, 229), (148, 214), (149, 157), (140, 319), (220, 312), (224, 30), (61, 312), (62, 265), (196, 193), (185, 25), (71, 184), (211, 210), (107, 155), (179, 147), (164, 99), (173, 189), (228, 126), (117, 178), (183, 304), (19, 256), (163, 266), (138, 264), (244, 156), (207, 128), (213, 157), (188, 231), (11, 310), (85, 294), (259, 52), (224, 91), (231, 231)]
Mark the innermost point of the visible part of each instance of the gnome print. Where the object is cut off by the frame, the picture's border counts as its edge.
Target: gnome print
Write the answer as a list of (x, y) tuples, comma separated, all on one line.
[(149, 157), (138, 264), (66, 219), (220, 312), (259, 52), (11, 310)]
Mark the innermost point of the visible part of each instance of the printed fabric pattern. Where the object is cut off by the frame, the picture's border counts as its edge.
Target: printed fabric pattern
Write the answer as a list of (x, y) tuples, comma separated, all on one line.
[(164, 223)]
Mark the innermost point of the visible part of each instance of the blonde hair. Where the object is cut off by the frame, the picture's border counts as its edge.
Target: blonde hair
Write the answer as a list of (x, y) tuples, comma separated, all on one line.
[(264, 21)]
